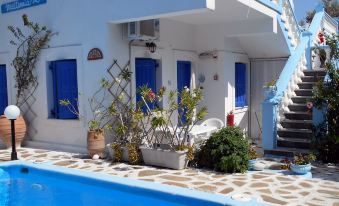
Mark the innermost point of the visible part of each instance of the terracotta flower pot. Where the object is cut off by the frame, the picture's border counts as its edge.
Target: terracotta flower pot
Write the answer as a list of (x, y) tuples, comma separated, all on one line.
[(5, 131), (96, 143)]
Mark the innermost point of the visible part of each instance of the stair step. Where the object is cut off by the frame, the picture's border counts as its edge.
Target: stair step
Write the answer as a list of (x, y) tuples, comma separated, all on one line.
[(311, 79), (295, 133), (301, 99), (313, 73), (306, 85), (293, 142), (296, 124), (298, 115), (286, 151), (304, 92), (298, 107)]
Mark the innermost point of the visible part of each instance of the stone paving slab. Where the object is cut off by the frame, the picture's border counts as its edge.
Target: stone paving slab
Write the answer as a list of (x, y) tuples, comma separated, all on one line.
[(266, 186)]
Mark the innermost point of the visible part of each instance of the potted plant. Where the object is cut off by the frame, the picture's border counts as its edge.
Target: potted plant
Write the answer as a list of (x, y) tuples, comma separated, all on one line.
[(28, 51), (302, 163), (270, 89), (98, 123), (166, 130), (125, 120), (253, 157)]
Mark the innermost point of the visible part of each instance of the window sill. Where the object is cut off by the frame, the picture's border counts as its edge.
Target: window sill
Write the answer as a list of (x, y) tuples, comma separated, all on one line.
[(240, 109), (54, 119)]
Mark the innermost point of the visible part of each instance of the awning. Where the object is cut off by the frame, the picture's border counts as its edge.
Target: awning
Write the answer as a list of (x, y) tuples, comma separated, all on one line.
[(137, 10)]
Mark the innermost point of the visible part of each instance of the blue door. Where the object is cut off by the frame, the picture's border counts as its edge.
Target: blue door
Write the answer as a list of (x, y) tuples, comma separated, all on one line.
[(183, 80), (3, 89), (240, 85), (65, 87), (145, 75)]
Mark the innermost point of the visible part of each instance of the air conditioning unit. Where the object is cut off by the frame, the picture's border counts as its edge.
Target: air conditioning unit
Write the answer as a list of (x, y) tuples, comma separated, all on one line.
[(143, 30)]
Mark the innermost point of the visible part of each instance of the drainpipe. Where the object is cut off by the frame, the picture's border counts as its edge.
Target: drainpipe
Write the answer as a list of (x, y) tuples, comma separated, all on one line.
[(129, 64)]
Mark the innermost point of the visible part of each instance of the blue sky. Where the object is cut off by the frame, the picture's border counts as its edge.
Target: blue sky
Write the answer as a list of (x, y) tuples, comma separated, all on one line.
[(302, 6)]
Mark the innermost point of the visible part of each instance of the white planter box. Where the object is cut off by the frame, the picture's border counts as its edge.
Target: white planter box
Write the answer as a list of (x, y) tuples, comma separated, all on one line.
[(165, 158), (110, 153)]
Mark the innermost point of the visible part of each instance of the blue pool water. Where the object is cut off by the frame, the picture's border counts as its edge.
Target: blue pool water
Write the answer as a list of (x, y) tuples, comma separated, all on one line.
[(23, 184)]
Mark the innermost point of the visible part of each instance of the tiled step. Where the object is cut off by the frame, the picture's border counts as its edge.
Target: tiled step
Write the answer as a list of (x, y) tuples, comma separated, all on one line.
[(286, 152), (304, 92), (296, 124), (311, 78), (301, 99), (313, 73), (295, 133), (306, 85), (298, 115), (294, 142)]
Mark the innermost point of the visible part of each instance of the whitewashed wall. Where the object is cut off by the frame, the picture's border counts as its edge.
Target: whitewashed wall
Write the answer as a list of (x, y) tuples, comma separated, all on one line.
[(263, 71), (80, 28)]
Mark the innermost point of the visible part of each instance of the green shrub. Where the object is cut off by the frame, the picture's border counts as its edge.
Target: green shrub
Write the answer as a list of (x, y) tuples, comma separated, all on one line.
[(325, 97), (225, 151)]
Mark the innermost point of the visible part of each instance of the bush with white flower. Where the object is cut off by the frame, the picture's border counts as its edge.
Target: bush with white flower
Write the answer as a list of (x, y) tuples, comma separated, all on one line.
[(170, 125)]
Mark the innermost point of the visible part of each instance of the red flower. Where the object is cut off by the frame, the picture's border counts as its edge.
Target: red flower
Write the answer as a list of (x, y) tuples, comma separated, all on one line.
[(309, 105), (151, 95), (321, 38)]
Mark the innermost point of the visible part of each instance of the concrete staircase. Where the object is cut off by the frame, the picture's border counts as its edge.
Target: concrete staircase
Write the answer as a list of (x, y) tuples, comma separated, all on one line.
[(296, 132)]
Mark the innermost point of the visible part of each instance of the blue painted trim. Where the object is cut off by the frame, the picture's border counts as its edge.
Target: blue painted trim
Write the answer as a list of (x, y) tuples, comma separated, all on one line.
[(213, 198), (271, 5), (293, 61), (269, 122), (20, 4)]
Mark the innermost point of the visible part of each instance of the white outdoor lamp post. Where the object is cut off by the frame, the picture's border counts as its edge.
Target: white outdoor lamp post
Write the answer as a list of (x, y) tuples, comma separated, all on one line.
[(12, 112)]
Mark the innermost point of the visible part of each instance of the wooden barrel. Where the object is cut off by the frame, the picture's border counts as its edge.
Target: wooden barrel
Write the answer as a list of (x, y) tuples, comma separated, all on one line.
[(5, 131), (96, 143)]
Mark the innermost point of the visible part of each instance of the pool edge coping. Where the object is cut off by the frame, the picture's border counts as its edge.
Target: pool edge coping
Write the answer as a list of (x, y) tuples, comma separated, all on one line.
[(135, 183)]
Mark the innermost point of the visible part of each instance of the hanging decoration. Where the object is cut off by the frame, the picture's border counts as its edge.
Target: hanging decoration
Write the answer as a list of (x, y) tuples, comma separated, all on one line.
[(95, 54), (151, 46)]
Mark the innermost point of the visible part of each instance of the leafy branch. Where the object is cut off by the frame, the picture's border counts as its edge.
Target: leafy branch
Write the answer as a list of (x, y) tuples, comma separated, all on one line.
[(28, 51)]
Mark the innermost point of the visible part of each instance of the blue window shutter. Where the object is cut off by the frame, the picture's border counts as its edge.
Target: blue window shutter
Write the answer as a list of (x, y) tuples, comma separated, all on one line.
[(145, 74), (240, 85), (183, 75), (65, 87), (3, 89), (183, 80)]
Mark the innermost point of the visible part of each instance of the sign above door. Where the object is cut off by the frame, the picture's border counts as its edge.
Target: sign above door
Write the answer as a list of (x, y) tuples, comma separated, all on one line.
[(20, 4)]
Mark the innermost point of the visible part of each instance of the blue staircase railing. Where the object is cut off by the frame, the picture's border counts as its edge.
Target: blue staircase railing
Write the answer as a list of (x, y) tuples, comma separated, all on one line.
[(301, 56)]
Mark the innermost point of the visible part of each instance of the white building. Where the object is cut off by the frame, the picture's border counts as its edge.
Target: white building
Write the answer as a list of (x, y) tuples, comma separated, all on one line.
[(216, 41)]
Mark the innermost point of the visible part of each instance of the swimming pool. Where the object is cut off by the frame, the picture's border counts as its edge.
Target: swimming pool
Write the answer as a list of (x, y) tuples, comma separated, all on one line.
[(23, 184)]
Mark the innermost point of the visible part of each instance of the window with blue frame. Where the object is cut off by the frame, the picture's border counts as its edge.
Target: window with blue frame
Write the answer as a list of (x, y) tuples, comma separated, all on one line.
[(240, 85), (65, 87), (3, 89)]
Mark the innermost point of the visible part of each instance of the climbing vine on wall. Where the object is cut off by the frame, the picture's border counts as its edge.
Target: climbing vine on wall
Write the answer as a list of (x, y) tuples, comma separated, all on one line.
[(29, 45)]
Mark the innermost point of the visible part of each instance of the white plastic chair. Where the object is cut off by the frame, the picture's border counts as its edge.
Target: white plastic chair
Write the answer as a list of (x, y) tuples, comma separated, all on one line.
[(202, 132), (213, 122)]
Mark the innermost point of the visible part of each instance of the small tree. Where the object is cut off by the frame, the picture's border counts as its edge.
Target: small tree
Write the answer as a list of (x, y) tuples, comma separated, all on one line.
[(100, 119), (326, 95), (331, 7)]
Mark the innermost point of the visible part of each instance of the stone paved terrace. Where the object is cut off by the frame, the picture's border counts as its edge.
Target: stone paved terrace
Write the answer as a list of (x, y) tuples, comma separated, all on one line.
[(267, 187)]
